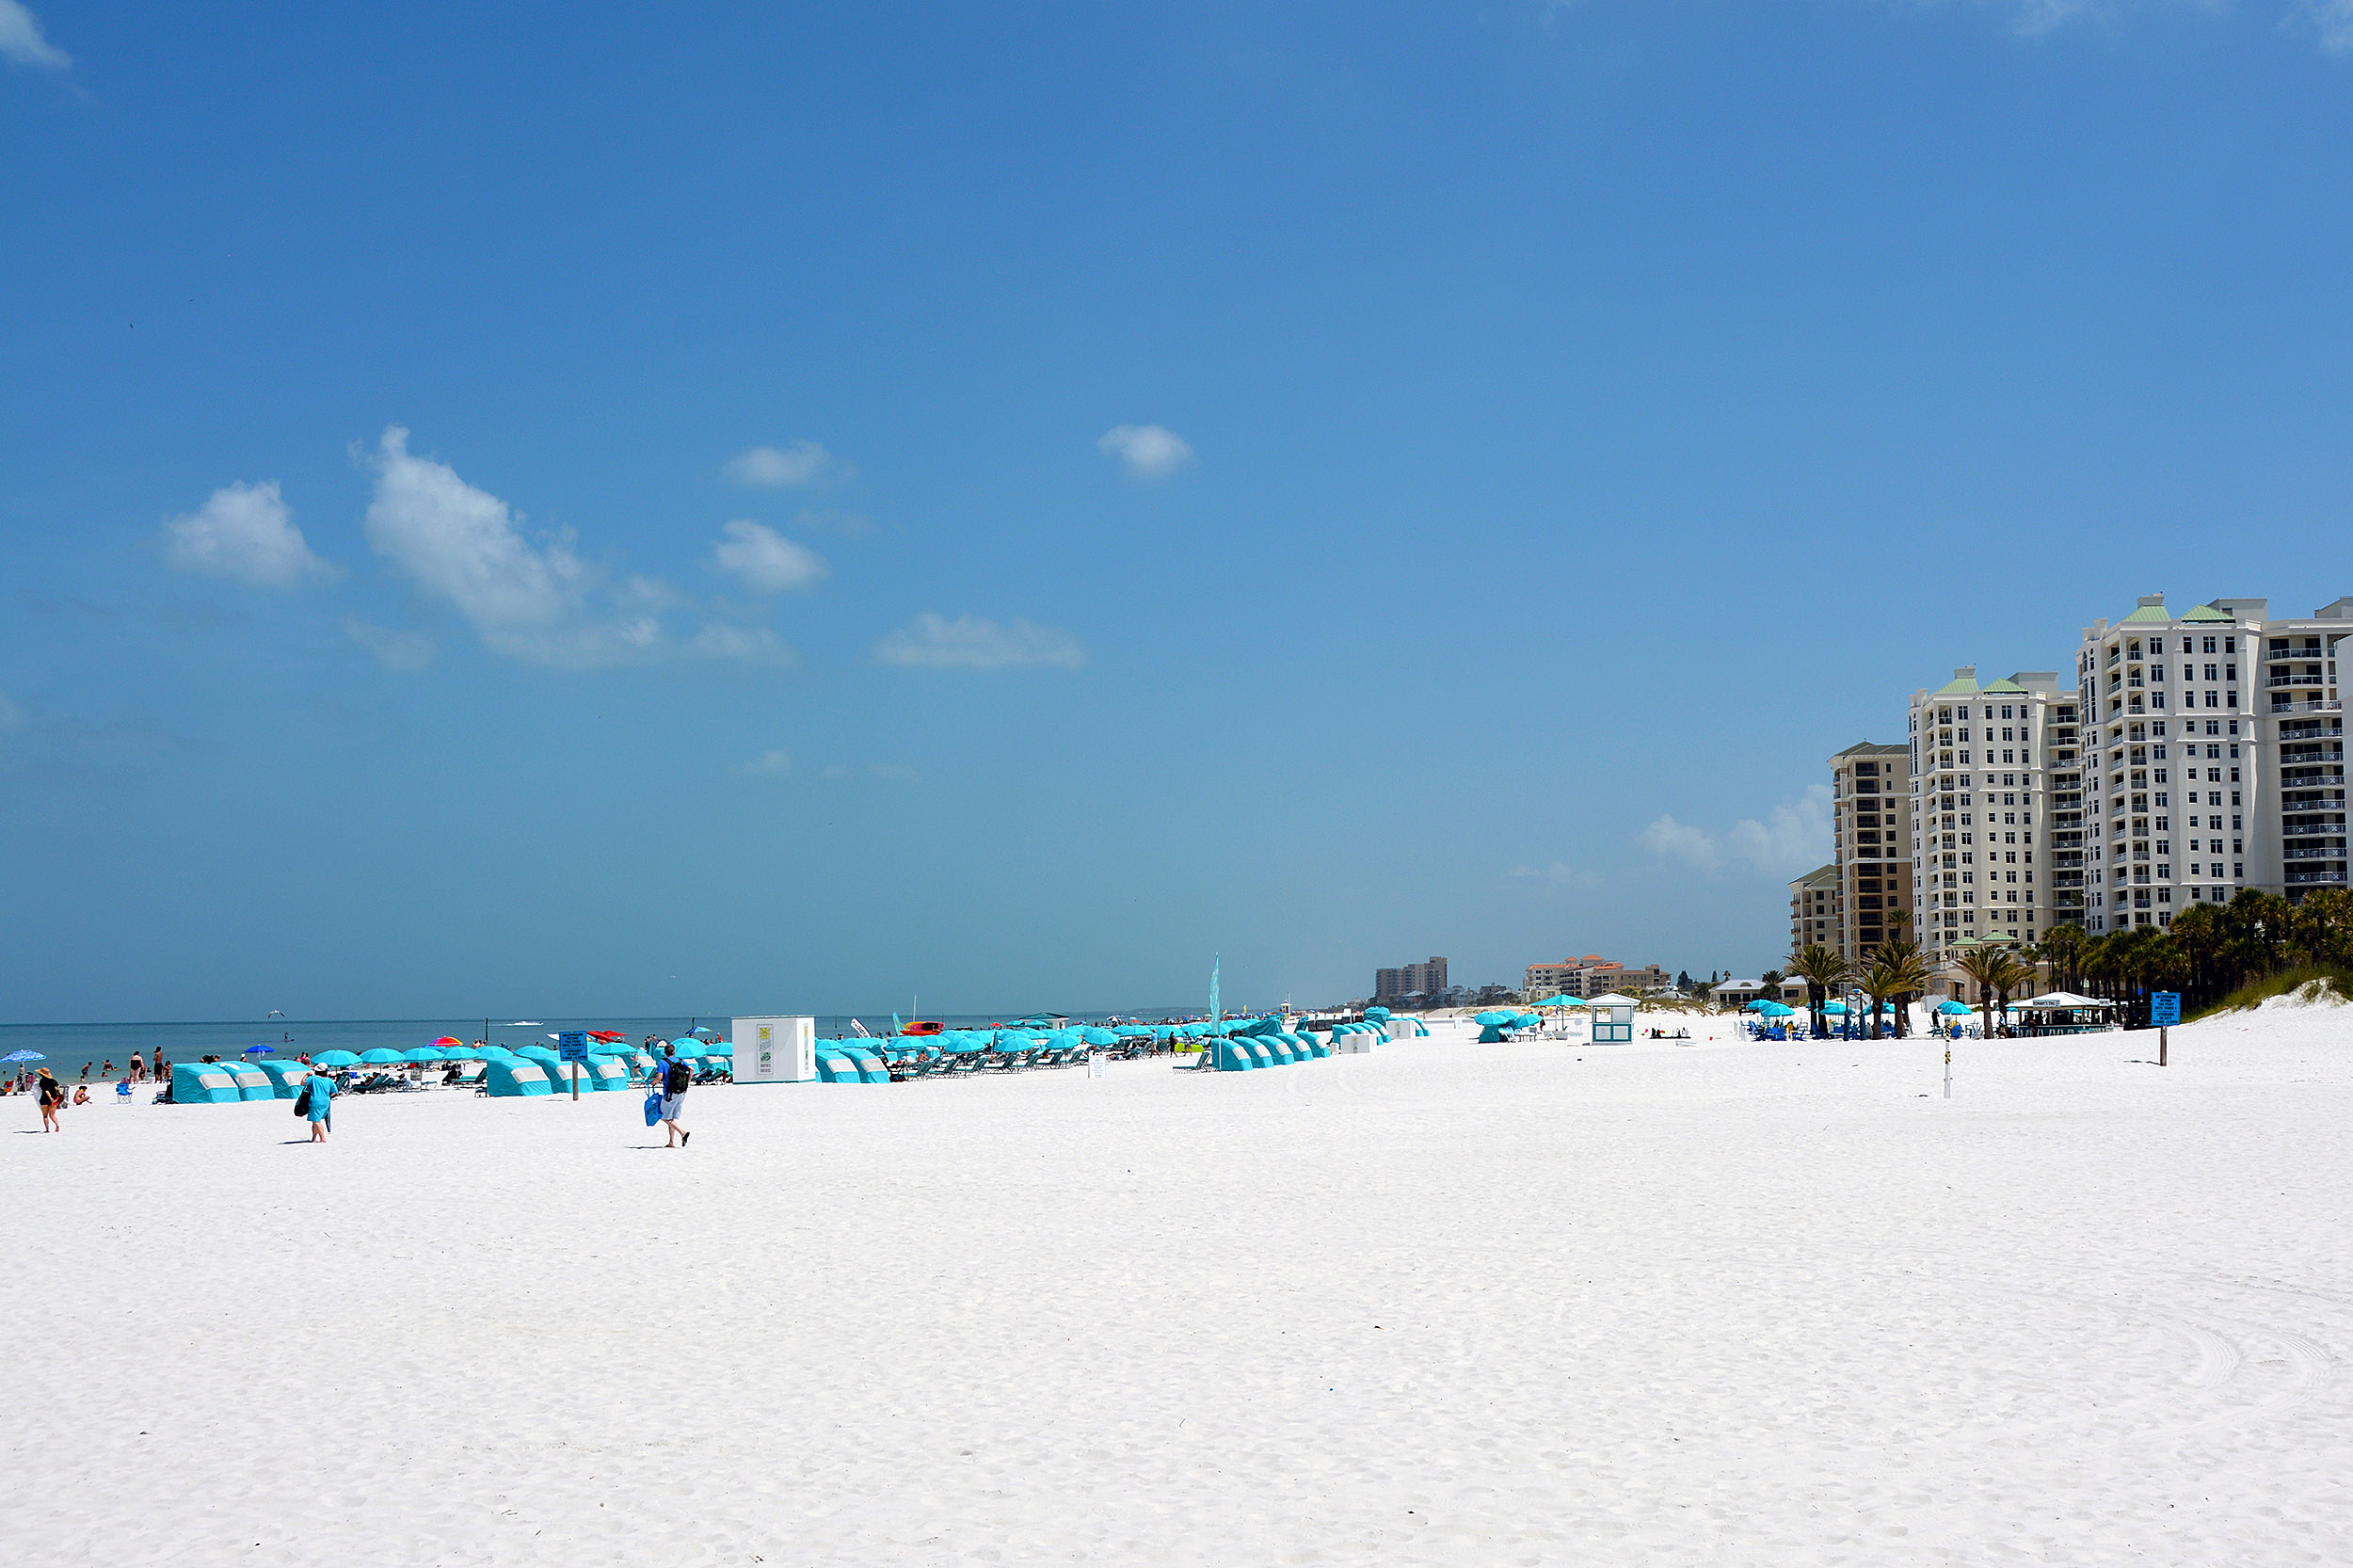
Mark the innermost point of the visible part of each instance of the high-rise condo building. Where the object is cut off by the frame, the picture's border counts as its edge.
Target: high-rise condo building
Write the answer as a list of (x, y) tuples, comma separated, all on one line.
[(1871, 856), (1815, 909), (2213, 756), (1996, 836), (1408, 981)]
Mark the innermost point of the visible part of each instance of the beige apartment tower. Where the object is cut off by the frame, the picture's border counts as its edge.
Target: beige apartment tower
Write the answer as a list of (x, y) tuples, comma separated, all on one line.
[(1871, 852)]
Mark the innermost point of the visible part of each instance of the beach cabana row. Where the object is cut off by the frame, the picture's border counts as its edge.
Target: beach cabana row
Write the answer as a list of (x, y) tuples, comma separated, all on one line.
[(1250, 1045)]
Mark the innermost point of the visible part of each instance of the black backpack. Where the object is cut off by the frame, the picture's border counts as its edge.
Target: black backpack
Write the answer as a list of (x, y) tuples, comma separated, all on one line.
[(676, 1078)]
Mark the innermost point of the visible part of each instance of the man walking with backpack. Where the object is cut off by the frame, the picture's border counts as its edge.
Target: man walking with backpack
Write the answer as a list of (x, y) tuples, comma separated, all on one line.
[(676, 1077)]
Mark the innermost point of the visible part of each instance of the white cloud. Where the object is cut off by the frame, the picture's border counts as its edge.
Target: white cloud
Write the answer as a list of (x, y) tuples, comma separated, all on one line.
[(2334, 21), (775, 762), (528, 601), (766, 561), (393, 649), (935, 642), (246, 532), (745, 645), (1147, 451), (1558, 875), (1794, 836), (1682, 841), (20, 39), (800, 462)]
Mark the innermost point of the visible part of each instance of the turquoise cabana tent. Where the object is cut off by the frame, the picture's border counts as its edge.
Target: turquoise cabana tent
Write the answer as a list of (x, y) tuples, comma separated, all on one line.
[(514, 1077), (252, 1083), (286, 1077), (203, 1083)]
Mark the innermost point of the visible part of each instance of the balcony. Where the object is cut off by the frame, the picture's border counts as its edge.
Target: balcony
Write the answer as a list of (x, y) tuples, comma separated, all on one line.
[(2304, 753), (2313, 680), (2315, 852), (2318, 800), (2313, 829), (2301, 778), (2312, 705), (2298, 879), (2067, 879)]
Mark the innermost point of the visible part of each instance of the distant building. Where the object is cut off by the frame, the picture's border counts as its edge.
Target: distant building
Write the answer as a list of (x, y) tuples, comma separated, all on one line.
[(1814, 909), (1871, 853), (1738, 993), (1409, 982), (1591, 976)]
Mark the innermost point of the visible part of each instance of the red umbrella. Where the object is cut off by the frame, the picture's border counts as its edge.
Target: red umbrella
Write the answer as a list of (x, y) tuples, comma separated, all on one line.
[(606, 1034), (449, 1040)]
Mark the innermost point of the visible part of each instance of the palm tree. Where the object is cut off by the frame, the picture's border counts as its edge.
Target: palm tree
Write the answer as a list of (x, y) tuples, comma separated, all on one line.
[(2198, 932), (2324, 927), (1821, 968), (2064, 948), (1990, 968), (1898, 962)]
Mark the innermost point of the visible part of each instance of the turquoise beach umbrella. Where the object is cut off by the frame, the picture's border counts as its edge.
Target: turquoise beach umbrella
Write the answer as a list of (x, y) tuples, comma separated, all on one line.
[(379, 1057), (334, 1059), (423, 1054)]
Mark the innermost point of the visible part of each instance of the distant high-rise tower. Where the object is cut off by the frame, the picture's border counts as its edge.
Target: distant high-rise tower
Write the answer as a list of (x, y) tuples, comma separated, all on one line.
[(1390, 987)]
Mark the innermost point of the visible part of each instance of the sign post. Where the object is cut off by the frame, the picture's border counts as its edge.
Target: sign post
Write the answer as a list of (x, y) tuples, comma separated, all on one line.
[(572, 1046), (2164, 1009)]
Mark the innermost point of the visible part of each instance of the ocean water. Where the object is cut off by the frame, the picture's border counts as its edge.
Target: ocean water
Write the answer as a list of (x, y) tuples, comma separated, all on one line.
[(69, 1047)]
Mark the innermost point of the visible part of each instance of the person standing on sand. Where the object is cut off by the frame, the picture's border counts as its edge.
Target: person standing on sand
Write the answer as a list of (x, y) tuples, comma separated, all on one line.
[(677, 1077), (321, 1088), (138, 1068), (52, 1096)]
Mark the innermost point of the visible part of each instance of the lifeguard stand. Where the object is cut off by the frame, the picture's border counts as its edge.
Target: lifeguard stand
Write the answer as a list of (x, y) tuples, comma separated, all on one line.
[(1612, 1018)]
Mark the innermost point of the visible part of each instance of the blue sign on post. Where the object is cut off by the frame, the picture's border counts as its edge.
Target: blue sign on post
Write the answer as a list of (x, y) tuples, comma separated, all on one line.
[(572, 1046), (2165, 1008)]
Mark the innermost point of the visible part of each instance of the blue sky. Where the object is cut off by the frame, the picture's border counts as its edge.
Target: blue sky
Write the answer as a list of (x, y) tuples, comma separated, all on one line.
[(779, 509)]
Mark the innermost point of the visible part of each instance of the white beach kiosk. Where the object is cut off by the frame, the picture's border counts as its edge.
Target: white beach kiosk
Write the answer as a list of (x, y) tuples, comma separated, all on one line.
[(777, 1050), (1612, 1018)]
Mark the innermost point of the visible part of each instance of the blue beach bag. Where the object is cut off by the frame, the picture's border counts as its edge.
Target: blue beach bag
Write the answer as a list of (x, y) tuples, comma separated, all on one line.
[(653, 1109)]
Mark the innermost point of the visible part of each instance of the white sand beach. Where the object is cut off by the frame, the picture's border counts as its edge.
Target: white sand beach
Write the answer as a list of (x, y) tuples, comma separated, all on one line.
[(1448, 1304)]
